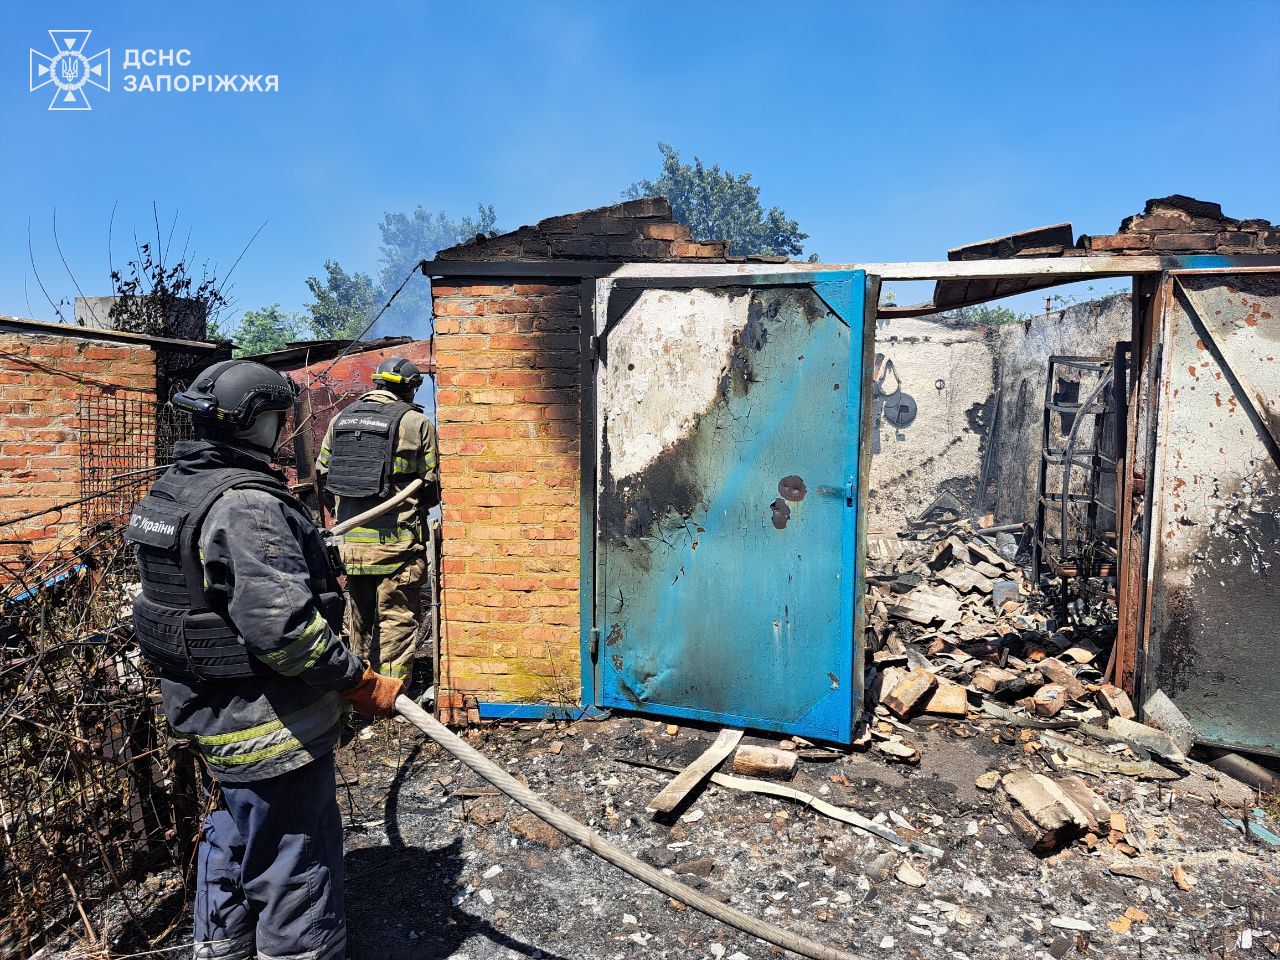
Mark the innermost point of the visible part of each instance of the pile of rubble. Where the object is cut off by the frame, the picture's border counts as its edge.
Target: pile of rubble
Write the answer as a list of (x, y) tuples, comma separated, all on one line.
[(957, 631)]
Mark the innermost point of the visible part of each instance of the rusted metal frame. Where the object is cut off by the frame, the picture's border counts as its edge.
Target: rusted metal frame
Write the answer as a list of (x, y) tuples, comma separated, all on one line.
[(1069, 462), (1064, 458), (1079, 268), (1122, 669), (1254, 399), (1038, 543), (1157, 402)]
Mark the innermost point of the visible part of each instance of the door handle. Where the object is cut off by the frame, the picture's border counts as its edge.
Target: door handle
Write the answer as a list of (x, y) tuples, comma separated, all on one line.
[(848, 492)]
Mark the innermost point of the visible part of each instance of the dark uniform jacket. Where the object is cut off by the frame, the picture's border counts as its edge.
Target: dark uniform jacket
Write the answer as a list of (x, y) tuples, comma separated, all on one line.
[(262, 557)]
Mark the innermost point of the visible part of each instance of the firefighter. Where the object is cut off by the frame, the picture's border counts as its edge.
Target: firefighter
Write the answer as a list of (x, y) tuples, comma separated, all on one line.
[(373, 449), (240, 613)]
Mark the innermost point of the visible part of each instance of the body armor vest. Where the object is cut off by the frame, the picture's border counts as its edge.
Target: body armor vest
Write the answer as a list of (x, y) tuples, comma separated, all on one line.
[(364, 445), (182, 630)]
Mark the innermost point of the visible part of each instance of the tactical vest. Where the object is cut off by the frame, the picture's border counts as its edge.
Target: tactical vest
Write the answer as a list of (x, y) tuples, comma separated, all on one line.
[(364, 445), (182, 631)]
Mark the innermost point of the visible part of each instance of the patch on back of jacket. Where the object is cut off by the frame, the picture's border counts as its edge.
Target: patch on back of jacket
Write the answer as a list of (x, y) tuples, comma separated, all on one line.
[(156, 524), (364, 438)]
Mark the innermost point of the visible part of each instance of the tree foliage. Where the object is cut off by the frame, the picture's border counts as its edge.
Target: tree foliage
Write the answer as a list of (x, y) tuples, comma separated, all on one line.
[(261, 331), (408, 238), (718, 205), (344, 302), (986, 315)]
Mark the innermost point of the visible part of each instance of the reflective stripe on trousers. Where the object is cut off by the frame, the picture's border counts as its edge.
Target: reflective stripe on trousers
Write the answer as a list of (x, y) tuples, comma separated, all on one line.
[(269, 871), (384, 614)]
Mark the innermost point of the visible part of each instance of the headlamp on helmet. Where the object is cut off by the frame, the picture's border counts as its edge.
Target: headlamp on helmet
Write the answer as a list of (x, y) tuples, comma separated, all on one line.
[(234, 393), (399, 373)]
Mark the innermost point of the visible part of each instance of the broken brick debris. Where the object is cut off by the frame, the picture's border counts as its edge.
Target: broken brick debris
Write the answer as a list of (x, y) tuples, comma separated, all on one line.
[(910, 691), (1111, 699), (1042, 813), (1181, 224), (948, 699)]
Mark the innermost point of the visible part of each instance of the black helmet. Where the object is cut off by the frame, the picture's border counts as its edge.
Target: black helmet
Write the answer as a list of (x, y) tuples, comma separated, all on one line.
[(234, 393), (398, 373)]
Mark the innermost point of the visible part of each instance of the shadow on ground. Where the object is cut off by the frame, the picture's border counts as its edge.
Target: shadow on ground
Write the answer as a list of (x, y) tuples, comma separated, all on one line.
[(400, 898), (399, 907)]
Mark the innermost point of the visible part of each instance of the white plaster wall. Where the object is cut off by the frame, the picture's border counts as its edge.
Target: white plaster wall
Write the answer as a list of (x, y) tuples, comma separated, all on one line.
[(943, 448)]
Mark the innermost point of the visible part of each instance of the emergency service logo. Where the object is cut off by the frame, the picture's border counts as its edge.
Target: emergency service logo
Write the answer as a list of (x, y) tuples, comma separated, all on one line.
[(70, 70)]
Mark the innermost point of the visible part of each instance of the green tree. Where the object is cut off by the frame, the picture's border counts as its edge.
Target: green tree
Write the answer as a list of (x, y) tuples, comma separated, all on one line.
[(408, 238), (344, 302), (986, 315), (718, 205), (261, 331)]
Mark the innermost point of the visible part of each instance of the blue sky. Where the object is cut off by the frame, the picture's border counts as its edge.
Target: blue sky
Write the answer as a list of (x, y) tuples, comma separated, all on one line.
[(891, 131)]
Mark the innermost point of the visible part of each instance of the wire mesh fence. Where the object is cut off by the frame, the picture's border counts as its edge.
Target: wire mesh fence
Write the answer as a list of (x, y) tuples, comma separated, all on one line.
[(92, 797), (123, 436)]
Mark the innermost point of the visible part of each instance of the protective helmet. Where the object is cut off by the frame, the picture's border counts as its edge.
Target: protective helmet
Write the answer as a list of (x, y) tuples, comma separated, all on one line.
[(232, 394), (398, 373)]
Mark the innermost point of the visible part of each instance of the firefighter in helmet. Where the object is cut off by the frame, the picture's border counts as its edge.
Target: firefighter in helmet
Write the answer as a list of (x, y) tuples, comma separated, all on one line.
[(373, 449), (240, 613)]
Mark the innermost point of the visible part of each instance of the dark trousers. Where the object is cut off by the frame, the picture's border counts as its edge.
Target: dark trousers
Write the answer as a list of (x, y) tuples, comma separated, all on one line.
[(269, 871)]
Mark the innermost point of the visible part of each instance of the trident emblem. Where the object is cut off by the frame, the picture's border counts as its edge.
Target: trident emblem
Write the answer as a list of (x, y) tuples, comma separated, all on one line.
[(70, 70)]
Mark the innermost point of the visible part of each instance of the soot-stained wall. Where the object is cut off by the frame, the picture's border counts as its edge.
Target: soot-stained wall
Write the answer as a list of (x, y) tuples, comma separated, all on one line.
[(931, 411), (1091, 328)]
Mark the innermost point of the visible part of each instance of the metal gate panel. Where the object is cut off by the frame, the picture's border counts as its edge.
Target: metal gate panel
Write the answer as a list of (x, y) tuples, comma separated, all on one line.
[(1215, 555), (729, 501)]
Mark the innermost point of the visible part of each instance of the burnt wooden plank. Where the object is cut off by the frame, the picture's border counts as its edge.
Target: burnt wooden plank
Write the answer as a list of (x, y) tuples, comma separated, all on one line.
[(692, 775)]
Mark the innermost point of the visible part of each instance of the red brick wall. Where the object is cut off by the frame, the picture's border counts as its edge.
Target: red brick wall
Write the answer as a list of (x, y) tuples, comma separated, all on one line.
[(507, 357), (41, 381)]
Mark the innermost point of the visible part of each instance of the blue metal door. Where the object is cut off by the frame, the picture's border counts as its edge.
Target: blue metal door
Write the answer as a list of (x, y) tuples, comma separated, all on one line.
[(731, 466)]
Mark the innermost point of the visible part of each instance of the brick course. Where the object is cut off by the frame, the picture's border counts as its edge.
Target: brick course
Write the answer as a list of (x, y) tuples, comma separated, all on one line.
[(42, 379), (1184, 225)]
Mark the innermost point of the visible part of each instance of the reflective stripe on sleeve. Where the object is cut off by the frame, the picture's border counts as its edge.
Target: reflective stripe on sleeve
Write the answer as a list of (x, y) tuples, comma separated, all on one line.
[(303, 652)]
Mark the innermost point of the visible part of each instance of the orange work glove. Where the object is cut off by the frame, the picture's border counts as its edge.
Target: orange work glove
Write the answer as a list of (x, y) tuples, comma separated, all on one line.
[(375, 694)]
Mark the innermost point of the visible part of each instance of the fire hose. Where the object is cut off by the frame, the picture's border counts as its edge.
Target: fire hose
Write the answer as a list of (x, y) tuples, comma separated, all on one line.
[(576, 831), (606, 850), (393, 501)]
